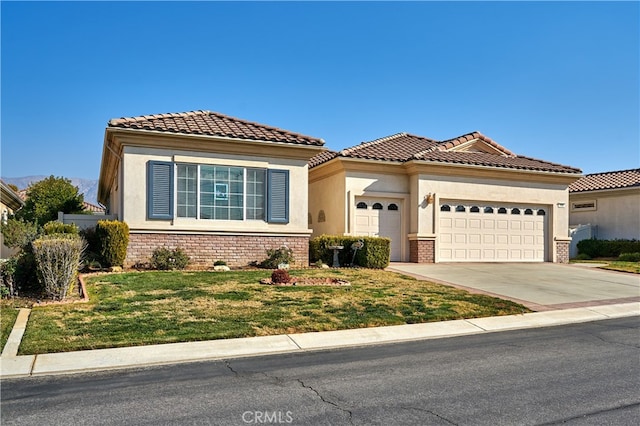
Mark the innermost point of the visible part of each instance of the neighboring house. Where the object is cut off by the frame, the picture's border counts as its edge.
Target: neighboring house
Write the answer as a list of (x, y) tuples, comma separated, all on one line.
[(467, 199), (609, 202), (88, 207), (10, 202), (218, 187)]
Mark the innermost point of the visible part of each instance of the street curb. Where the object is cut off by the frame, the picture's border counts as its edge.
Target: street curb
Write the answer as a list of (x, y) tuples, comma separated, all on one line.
[(171, 353)]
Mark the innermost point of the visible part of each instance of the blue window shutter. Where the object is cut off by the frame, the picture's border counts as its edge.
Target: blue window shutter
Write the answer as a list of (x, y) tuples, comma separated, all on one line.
[(159, 190), (278, 196)]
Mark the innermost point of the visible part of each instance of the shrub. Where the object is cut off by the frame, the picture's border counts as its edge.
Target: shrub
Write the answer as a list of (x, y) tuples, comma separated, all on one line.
[(55, 227), (277, 257), (18, 233), (607, 248), (219, 263), (7, 276), (280, 276), (374, 254), (94, 245), (166, 259), (582, 256), (629, 257), (114, 239), (57, 259)]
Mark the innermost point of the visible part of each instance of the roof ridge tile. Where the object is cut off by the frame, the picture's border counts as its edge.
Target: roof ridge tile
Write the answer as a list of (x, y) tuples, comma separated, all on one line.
[(365, 144)]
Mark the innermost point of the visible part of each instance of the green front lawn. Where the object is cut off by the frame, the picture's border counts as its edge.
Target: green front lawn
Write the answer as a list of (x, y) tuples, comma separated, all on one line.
[(8, 315), (141, 308), (614, 265)]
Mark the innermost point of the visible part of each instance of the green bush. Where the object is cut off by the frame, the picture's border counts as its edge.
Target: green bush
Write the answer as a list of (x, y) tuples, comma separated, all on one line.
[(277, 257), (18, 233), (7, 276), (114, 239), (55, 227), (582, 256), (166, 259), (94, 245), (607, 248), (219, 263), (374, 254), (57, 259), (629, 257)]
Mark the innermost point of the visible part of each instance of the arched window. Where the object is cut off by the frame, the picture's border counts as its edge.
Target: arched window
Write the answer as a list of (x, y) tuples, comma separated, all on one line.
[(445, 208), (515, 211), (392, 206), (528, 212), (488, 209), (475, 209), (361, 205), (502, 210), (321, 217), (461, 209), (541, 212), (377, 206)]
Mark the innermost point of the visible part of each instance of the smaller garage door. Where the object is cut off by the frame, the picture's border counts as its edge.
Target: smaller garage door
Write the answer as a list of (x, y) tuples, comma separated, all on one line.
[(477, 232), (380, 218)]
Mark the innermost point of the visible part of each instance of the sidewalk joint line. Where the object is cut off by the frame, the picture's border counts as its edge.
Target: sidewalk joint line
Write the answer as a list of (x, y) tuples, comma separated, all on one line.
[(294, 342)]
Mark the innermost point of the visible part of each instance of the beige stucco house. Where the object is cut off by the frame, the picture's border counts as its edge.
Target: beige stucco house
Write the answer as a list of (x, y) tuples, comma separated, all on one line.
[(10, 202), (609, 202), (467, 199), (219, 187)]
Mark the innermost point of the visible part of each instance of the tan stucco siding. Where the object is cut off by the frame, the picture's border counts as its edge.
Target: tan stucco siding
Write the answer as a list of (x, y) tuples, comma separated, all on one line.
[(616, 214), (134, 192), (327, 197)]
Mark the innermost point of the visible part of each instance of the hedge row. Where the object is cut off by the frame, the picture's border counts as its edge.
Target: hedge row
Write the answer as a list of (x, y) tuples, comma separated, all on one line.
[(607, 248), (374, 254)]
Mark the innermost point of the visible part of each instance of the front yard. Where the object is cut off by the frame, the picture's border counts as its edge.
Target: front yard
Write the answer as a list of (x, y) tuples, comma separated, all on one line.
[(140, 308), (614, 265)]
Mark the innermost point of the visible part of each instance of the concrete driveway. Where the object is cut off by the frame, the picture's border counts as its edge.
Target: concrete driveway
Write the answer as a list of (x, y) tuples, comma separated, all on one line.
[(539, 286)]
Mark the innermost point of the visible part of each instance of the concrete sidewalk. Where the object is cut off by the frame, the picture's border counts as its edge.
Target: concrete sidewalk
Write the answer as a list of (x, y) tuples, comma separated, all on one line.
[(142, 356)]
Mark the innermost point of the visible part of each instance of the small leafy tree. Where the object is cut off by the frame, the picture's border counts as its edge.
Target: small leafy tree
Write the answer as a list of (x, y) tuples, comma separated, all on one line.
[(48, 197)]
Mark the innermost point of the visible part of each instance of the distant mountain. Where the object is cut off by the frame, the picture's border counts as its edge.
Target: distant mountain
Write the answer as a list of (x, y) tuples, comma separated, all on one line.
[(88, 187)]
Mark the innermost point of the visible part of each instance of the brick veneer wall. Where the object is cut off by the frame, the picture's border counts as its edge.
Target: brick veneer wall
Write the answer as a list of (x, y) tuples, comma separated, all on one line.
[(562, 251), (236, 250), (422, 251)]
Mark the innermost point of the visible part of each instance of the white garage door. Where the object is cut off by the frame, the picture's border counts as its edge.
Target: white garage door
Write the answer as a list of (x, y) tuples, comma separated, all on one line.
[(380, 218), (476, 232)]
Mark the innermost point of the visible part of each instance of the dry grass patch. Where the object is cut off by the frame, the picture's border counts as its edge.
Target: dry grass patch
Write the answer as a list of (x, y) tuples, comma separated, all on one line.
[(162, 307)]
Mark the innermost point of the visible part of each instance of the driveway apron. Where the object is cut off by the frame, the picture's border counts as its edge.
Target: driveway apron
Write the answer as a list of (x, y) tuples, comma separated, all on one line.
[(539, 286)]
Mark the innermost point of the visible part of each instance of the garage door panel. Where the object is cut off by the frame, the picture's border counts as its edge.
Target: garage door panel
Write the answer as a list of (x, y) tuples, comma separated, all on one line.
[(484, 234), (460, 223), (460, 238)]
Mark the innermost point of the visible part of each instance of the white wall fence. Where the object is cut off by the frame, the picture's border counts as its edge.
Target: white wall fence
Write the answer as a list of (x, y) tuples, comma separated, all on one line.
[(84, 221)]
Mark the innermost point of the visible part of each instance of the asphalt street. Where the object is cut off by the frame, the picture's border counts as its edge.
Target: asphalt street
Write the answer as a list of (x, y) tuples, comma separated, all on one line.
[(582, 374)]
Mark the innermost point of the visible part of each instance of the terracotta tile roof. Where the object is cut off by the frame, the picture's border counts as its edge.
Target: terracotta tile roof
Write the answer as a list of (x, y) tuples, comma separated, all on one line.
[(398, 147), (323, 157), (607, 180), (213, 124), (403, 147), (486, 159), (93, 208), (451, 143)]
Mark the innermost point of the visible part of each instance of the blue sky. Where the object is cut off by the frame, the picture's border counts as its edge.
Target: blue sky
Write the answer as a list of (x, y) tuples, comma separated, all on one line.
[(550, 80)]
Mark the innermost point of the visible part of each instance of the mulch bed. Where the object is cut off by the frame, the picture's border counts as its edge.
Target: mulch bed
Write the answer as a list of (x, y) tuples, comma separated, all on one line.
[(308, 282)]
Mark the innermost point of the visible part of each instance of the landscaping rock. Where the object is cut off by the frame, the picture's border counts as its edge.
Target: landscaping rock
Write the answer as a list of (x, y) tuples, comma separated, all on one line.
[(221, 268)]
